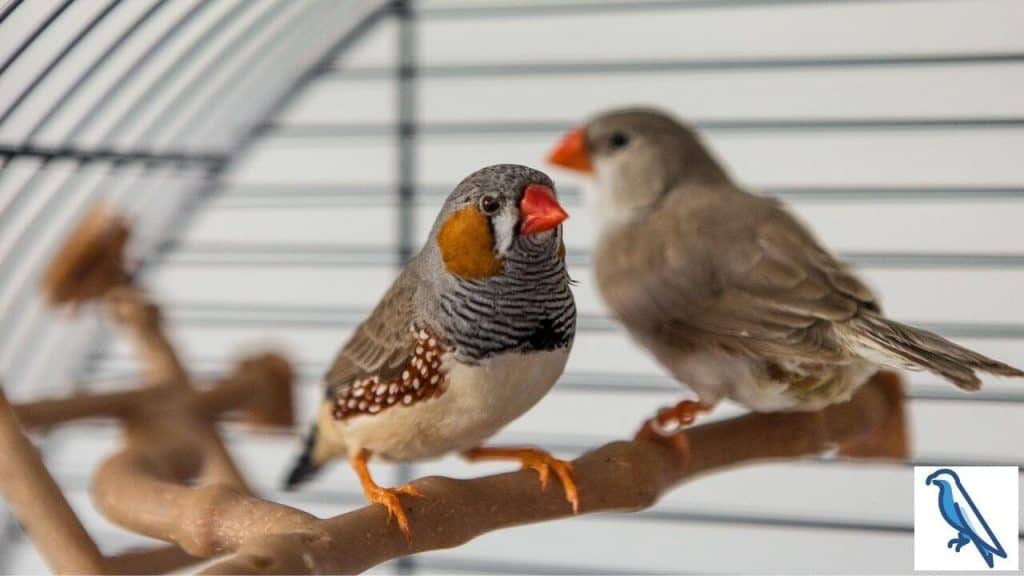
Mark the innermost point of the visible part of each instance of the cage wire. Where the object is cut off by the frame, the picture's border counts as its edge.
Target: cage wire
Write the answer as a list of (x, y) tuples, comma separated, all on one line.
[(241, 136)]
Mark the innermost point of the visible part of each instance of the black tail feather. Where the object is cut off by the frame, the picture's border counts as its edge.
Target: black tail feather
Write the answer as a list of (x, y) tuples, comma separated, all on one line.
[(305, 467)]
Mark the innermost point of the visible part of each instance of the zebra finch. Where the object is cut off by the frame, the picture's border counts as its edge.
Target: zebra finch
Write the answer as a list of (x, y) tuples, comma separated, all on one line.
[(473, 332)]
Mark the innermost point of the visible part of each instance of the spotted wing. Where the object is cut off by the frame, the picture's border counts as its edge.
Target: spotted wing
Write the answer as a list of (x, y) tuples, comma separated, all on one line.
[(391, 359)]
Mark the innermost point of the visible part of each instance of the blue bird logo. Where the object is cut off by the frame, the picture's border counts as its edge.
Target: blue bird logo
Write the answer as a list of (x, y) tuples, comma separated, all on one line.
[(958, 510)]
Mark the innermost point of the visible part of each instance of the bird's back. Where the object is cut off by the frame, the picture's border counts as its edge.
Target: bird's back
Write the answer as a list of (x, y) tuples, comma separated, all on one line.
[(736, 298)]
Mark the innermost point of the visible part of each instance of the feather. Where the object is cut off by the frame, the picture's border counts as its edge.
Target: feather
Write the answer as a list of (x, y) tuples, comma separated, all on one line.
[(920, 348), (738, 270), (382, 344)]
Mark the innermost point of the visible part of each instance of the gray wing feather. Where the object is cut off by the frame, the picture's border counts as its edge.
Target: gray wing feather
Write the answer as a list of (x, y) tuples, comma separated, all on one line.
[(383, 343), (735, 267)]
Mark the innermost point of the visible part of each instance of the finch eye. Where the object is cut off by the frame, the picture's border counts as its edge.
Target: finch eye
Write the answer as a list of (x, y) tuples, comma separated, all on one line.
[(489, 204), (617, 140)]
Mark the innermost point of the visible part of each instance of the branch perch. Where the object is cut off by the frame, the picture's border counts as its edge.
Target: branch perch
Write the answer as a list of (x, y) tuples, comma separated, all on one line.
[(91, 261), (275, 539), (175, 418), (41, 414), (38, 503), (254, 393), (160, 560)]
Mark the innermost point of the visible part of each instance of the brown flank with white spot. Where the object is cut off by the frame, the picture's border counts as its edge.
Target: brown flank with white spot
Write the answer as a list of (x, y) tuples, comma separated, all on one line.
[(422, 378)]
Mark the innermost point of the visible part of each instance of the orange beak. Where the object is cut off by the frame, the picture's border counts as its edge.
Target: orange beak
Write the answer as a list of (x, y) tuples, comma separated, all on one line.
[(539, 211), (572, 152)]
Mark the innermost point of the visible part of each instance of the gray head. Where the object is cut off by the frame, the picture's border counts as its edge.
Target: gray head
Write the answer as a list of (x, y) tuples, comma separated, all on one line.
[(495, 266), (496, 213), (636, 155)]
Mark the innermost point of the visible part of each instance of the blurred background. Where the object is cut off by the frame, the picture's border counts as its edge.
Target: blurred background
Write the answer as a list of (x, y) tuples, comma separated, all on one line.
[(281, 158)]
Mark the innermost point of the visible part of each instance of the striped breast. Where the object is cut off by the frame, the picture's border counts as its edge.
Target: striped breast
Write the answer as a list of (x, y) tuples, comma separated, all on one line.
[(528, 307)]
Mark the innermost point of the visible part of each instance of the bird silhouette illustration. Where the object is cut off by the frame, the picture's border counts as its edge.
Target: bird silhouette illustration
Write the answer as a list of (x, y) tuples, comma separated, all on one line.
[(959, 511)]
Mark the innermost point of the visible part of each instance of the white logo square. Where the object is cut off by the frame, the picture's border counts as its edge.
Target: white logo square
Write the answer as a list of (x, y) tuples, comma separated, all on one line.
[(966, 518)]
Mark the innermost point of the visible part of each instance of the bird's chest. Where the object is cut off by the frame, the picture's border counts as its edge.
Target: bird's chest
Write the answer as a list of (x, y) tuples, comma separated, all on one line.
[(496, 391), (479, 400)]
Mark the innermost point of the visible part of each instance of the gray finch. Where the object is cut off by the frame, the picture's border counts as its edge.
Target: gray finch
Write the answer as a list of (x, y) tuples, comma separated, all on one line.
[(728, 290)]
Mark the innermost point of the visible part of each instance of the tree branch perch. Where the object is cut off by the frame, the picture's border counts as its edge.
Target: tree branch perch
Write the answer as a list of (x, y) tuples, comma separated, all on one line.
[(38, 503), (274, 539)]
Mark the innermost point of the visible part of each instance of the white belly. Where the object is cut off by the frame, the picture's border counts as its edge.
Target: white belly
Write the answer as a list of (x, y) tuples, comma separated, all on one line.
[(479, 401), (715, 375)]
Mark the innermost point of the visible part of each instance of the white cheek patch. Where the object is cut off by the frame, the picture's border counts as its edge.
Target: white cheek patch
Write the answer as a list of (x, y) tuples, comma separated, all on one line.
[(600, 198), (504, 229)]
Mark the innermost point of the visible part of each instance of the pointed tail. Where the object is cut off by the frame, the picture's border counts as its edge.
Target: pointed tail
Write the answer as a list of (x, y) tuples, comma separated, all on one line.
[(306, 466), (900, 344)]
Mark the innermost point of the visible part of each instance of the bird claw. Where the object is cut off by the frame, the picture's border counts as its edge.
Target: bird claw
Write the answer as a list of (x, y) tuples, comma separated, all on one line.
[(668, 426), (388, 497), (543, 472), (544, 463), (670, 421), (538, 460), (680, 416), (677, 442)]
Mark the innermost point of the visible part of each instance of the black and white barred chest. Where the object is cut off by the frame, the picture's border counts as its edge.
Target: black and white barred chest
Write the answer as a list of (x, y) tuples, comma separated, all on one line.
[(529, 307)]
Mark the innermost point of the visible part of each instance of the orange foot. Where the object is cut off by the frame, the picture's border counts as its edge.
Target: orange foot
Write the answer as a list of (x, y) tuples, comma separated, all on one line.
[(667, 427), (671, 420), (538, 460), (388, 497)]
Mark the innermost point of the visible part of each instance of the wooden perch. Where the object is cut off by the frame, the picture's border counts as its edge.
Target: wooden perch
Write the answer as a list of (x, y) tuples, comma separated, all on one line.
[(140, 319), (274, 539), (154, 561), (92, 260), (38, 503), (91, 267), (42, 414), (249, 393)]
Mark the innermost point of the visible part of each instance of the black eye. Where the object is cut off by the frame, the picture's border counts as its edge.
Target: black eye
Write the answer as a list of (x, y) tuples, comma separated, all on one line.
[(489, 204), (617, 140)]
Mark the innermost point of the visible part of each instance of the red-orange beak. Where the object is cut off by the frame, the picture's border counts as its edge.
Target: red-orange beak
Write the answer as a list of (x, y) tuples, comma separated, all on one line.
[(572, 152), (539, 211)]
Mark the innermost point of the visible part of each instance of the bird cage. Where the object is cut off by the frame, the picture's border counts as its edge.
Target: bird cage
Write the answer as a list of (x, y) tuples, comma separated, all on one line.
[(279, 161)]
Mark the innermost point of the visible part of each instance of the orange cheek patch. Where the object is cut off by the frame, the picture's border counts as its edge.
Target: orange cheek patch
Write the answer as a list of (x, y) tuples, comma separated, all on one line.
[(466, 245)]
